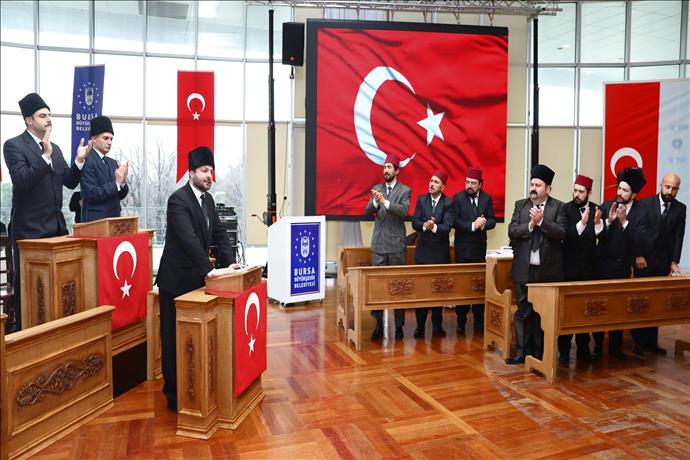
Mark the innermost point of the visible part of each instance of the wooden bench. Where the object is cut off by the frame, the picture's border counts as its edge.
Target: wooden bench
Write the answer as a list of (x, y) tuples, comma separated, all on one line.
[(591, 306), (56, 377), (499, 303), (408, 286)]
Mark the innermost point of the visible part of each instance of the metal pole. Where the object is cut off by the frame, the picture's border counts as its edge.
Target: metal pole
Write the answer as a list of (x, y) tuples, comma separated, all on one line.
[(535, 102), (270, 216)]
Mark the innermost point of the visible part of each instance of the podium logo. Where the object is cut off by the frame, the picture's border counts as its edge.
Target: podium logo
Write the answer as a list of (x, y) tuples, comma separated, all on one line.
[(304, 243)]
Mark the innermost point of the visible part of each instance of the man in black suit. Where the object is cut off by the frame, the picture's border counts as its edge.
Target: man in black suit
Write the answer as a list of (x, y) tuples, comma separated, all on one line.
[(583, 224), (433, 219), (474, 215), (665, 234), (192, 227), (622, 244), (103, 181), (38, 171), (535, 231)]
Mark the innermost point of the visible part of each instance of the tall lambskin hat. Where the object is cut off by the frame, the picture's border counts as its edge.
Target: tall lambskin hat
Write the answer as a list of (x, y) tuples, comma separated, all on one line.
[(30, 103), (542, 172), (200, 156), (634, 177), (101, 125)]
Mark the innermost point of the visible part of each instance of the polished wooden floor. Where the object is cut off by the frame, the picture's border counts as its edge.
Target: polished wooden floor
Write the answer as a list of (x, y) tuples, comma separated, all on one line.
[(440, 398)]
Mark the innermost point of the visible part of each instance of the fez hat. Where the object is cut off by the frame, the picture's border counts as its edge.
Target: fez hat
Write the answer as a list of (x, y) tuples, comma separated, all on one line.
[(585, 181), (442, 175), (201, 156), (392, 159), (634, 177), (30, 103), (475, 173), (542, 172), (101, 125)]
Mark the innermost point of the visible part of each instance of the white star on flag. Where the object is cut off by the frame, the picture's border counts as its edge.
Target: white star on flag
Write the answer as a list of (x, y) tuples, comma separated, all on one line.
[(252, 341), (432, 124), (125, 289), (195, 115)]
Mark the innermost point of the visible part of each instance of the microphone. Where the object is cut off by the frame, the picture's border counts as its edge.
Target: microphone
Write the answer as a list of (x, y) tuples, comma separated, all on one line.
[(256, 215)]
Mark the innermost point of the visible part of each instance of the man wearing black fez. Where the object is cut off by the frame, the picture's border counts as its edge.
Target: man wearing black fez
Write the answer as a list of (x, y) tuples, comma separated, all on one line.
[(622, 244), (192, 227), (38, 171), (103, 181), (535, 231)]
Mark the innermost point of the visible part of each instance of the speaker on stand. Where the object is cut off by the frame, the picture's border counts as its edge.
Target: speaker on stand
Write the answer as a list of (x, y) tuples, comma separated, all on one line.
[(293, 43)]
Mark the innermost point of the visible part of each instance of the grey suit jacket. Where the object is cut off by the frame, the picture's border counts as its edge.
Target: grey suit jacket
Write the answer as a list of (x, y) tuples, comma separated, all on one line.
[(550, 250), (389, 224)]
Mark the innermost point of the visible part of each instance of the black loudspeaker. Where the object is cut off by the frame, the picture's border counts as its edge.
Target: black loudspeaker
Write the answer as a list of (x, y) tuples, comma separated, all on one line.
[(293, 43)]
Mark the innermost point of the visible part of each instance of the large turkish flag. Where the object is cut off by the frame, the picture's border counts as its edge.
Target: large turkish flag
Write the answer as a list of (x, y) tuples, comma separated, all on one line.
[(195, 115), (436, 98), (124, 276), (249, 336)]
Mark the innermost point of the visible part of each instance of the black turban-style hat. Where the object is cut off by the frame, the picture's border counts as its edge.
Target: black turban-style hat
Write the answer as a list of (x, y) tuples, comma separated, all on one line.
[(30, 103), (634, 177), (542, 172), (201, 156), (101, 125)]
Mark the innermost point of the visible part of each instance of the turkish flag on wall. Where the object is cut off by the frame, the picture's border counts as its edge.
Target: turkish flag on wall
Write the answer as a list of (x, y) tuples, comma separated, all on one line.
[(249, 336), (435, 99), (123, 276), (195, 115)]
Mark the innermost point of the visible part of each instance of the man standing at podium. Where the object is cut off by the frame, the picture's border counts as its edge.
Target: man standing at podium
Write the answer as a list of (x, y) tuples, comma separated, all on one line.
[(389, 203), (103, 181), (192, 227), (38, 171)]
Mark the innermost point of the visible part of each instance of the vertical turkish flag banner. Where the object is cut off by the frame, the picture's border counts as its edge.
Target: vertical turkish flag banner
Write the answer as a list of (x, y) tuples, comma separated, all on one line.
[(631, 133), (124, 276), (434, 95), (249, 336), (195, 115)]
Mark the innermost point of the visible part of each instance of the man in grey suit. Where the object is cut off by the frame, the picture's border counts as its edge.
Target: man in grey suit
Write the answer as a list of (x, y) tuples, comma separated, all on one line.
[(389, 203), (535, 231)]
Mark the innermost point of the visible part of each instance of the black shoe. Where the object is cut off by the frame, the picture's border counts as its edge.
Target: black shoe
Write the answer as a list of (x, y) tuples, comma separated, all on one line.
[(598, 353), (584, 355), (516, 360), (479, 327), (439, 332), (377, 333), (638, 350), (656, 349), (619, 355), (399, 334), (460, 329), (418, 333), (563, 359), (172, 406)]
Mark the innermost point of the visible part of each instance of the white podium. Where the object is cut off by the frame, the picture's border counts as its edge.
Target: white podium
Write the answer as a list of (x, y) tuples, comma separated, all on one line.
[(297, 259)]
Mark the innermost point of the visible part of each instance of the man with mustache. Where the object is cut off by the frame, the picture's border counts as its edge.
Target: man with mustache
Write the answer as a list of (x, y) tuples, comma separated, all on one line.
[(665, 234), (536, 231), (474, 215), (622, 244), (389, 203), (583, 224), (433, 219), (192, 227), (38, 171)]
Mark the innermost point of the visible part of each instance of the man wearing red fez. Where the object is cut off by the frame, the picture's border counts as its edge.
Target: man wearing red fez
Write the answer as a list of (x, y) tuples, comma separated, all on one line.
[(535, 231), (389, 204), (623, 242), (433, 219), (583, 224), (474, 215)]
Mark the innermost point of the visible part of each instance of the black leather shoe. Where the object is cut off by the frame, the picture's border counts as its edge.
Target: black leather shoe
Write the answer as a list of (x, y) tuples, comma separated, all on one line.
[(439, 332), (418, 334), (377, 333), (172, 406), (638, 350), (563, 359), (460, 330), (656, 349), (598, 353), (619, 355), (515, 360), (399, 334), (584, 355), (479, 327)]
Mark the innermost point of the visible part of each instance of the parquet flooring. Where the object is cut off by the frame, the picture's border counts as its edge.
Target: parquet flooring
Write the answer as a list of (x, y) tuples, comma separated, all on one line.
[(440, 398)]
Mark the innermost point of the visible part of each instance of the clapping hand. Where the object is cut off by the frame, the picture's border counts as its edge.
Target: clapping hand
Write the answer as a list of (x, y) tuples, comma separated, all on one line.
[(83, 150)]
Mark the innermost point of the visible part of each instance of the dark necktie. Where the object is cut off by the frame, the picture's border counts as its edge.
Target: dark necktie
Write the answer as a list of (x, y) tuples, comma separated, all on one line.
[(664, 214), (474, 206), (582, 209), (389, 191), (204, 211), (535, 241), (433, 204)]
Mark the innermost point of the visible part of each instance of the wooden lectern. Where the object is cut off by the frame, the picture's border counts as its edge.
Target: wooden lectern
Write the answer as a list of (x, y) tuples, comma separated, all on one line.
[(205, 359)]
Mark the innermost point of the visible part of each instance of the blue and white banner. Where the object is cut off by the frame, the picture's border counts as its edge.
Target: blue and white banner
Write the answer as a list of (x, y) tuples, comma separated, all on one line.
[(305, 271), (87, 102)]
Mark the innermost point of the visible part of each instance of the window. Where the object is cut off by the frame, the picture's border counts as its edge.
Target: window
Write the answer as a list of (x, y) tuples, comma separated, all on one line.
[(123, 92), (603, 32), (592, 93), (221, 29), (17, 21), (119, 26), (557, 36), (15, 85), (655, 31), (164, 17), (64, 24)]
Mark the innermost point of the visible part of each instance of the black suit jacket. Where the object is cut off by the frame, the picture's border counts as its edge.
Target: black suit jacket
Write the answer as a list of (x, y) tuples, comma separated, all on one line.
[(579, 250), (618, 247), (666, 239), (100, 195), (184, 263), (36, 188), (433, 248), (550, 248), (471, 246)]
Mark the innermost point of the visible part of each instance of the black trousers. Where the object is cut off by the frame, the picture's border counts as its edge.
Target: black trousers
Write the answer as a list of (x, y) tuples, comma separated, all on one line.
[(395, 258), (15, 316), (168, 347), (477, 310), (529, 337), (436, 317)]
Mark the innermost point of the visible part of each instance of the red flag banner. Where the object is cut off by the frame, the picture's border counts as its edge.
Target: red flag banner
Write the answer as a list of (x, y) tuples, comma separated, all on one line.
[(124, 276), (249, 336), (434, 95), (195, 115)]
